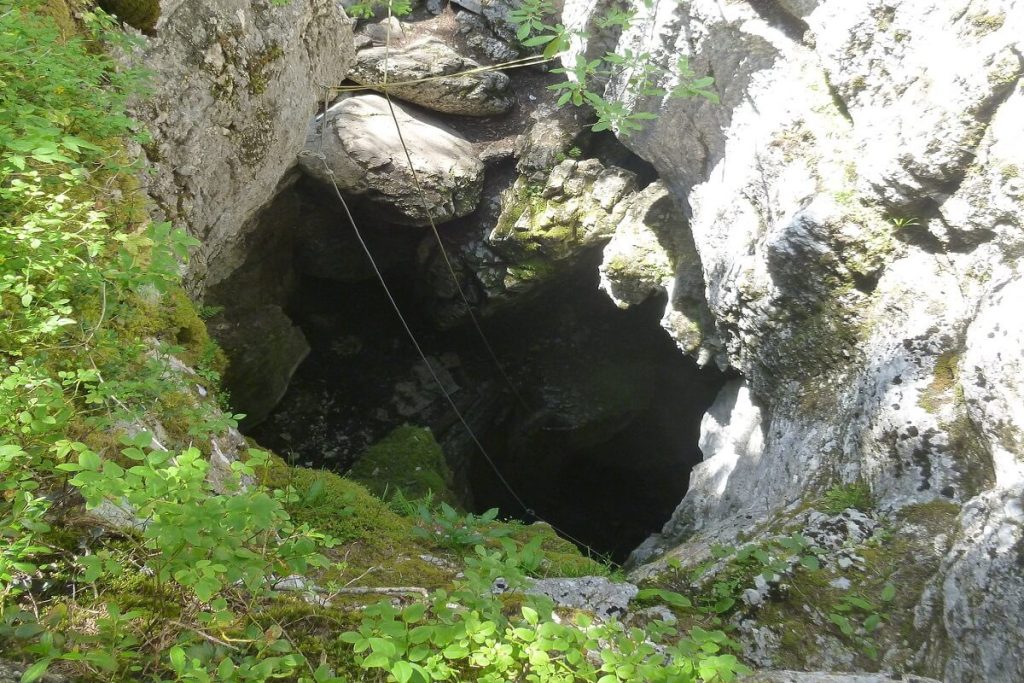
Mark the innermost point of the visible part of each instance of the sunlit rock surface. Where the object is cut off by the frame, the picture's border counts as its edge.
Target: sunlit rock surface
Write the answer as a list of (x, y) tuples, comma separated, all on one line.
[(364, 155), (235, 84), (855, 204), (431, 74)]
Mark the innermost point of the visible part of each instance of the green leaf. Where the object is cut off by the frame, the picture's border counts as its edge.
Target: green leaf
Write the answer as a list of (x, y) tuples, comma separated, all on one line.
[(89, 460), (226, 668), (377, 660), (402, 670), (36, 671), (530, 615), (177, 657), (538, 40), (872, 622), (413, 613), (810, 562), (842, 622), (455, 651), (888, 592)]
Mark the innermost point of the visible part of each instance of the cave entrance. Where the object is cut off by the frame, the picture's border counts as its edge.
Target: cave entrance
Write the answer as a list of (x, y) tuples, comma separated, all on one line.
[(601, 444), (605, 450)]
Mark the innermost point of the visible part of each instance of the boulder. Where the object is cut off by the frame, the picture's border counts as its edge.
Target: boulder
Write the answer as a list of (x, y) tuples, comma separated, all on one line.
[(431, 74), (234, 87), (543, 228), (365, 156), (548, 139), (264, 349), (596, 594)]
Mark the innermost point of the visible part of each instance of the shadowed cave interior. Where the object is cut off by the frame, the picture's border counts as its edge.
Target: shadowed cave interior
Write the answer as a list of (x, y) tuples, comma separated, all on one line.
[(599, 442)]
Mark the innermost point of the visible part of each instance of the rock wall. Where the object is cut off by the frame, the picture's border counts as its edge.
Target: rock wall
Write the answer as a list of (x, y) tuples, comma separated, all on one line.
[(855, 201), (236, 83)]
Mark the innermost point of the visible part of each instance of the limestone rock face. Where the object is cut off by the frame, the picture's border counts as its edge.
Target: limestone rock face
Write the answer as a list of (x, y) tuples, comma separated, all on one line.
[(855, 202), (651, 251), (364, 151), (235, 84), (448, 90)]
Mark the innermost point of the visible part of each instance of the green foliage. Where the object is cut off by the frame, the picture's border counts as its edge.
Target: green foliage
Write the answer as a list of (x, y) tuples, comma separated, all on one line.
[(447, 528), (367, 9), (91, 321), (469, 634), (857, 619), (585, 79)]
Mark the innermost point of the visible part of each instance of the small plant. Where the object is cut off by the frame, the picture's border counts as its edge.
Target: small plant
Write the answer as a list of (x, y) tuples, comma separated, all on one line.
[(858, 619), (368, 8), (904, 222), (470, 634), (844, 496), (585, 78), (449, 529)]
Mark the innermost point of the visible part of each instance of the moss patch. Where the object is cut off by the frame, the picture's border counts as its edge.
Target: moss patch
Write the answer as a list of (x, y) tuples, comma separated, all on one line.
[(335, 505), (408, 459), (945, 378), (141, 14)]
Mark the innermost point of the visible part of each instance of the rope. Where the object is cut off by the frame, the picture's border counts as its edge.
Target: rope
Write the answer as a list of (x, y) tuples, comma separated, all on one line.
[(430, 367), (433, 224), (504, 66), (405, 325)]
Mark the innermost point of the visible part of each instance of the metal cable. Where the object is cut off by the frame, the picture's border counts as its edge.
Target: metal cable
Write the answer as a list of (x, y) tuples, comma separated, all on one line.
[(430, 368), (433, 226), (398, 311)]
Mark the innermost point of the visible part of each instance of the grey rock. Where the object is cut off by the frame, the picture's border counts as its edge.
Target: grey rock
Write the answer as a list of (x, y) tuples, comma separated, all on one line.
[(234, 86), (652, 251), (548, 140), (592, 593), (482, 41), (874, 350), (264, 348), (542, 231), (830, 677), (431, 74), (495, 12), (365, 157)]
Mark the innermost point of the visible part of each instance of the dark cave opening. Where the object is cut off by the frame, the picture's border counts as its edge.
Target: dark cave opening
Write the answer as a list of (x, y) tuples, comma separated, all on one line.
[(603, 447), (601, 438)]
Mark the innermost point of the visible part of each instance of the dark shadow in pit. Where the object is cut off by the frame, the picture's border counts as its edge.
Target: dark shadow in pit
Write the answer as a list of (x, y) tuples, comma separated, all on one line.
[(606, 451)]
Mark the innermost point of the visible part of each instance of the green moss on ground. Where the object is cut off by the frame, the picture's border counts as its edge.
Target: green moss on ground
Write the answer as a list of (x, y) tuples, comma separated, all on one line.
[(337, 506), (409, 460)]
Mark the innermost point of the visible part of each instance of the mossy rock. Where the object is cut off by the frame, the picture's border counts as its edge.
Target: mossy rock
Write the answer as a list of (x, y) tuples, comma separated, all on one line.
[(141, 14), (409, 460), (337, 506)]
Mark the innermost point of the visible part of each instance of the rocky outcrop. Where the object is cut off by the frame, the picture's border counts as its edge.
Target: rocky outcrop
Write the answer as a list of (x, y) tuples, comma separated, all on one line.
[(855, 202), (431, 74), (365, 155), (650, 252), (235, 85), (576, 208), (265, 349)]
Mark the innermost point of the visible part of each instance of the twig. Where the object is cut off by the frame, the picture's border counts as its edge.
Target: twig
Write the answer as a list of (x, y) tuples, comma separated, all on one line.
[(207, 636), (383, 590)]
